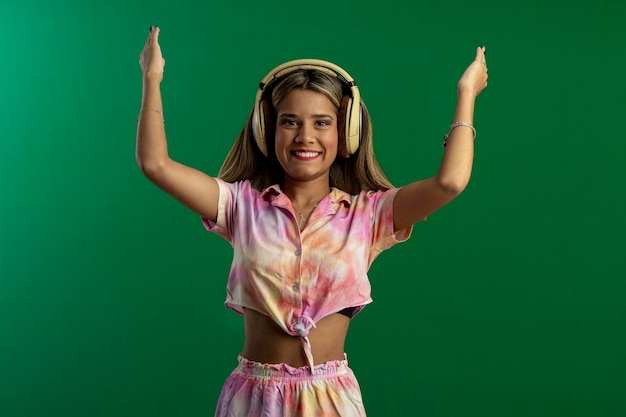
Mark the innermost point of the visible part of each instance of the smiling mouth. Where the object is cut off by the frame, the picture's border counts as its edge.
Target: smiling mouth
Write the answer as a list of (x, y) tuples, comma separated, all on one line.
[(306, 155)]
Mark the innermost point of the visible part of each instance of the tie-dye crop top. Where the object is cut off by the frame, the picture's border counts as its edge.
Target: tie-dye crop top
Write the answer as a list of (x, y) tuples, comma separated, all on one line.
[(299, 277)]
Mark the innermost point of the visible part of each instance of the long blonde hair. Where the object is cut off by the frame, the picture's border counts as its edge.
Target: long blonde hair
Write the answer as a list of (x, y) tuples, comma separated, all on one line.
[(360, 171)]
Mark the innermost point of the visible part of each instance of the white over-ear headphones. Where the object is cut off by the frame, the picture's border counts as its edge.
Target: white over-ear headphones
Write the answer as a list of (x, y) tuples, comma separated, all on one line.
[(350, 104)]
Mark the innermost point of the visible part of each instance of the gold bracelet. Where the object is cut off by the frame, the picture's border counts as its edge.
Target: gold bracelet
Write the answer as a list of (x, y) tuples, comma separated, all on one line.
[(452, 127)]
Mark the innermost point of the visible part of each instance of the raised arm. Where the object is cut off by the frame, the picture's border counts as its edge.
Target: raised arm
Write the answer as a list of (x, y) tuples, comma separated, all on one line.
[(417, 200), (191, 187)]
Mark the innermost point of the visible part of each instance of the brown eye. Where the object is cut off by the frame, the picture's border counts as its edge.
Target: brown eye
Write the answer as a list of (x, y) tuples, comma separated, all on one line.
[(288, 122)]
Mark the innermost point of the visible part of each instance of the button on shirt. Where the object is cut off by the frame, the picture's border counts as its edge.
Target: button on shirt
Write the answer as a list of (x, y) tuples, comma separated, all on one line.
[(299, 277)]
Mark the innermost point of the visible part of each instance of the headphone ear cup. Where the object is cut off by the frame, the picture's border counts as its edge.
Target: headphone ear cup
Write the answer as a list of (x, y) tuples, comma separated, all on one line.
[(263, 125), (258, 127), (349, 119)]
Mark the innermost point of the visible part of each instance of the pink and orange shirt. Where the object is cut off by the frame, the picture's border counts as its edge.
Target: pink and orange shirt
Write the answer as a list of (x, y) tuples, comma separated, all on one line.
[(299, 277)]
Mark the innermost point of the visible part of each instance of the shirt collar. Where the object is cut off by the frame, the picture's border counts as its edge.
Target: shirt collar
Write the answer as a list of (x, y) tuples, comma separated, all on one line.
[(336, 195)]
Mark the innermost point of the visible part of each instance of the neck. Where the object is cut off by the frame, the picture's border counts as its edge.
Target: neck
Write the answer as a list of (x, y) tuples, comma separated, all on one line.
[(303, 196)]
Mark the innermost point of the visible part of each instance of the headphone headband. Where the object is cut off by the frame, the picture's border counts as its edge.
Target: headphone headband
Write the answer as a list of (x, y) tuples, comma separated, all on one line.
[(353, 103)]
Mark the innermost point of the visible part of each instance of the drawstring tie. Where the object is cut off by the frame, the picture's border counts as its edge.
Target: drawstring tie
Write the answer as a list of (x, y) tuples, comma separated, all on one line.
[(301, 328)]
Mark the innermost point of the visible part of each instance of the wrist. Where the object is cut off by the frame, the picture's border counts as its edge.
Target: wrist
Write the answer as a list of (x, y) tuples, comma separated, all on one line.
[(151, 77), (465, 104), (466, 91)]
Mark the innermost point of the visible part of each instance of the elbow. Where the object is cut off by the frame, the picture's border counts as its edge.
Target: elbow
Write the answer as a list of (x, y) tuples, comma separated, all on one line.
[(150, 168), (453, 186)]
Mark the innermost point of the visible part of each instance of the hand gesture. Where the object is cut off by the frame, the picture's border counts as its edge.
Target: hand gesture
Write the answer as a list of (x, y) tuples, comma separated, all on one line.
[(474, 79), (151, 60)]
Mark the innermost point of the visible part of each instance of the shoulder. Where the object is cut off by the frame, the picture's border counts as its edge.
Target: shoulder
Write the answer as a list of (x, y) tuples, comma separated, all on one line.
[(238, 188), (374, 197)]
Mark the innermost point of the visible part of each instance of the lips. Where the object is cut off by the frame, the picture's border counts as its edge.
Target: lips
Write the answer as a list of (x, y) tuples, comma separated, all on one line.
[(305, 154)]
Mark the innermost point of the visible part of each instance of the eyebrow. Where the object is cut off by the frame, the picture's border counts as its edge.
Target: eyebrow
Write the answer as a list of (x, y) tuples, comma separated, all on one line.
[(315, 116)]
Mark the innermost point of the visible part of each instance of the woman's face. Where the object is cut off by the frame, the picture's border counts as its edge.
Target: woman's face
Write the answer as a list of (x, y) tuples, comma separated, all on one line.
[(306, 135)]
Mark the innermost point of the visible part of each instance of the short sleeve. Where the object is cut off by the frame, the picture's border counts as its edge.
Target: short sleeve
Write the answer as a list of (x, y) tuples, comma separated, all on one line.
[(383, 236), (225, 204)]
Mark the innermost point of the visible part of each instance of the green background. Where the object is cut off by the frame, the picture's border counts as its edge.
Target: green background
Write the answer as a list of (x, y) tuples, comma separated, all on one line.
[(510, 302)]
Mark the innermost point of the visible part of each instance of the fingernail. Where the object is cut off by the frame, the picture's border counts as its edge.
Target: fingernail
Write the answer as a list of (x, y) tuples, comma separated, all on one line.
[(151, 27)]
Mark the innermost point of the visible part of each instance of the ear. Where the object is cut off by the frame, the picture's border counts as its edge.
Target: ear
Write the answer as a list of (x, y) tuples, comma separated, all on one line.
[(342, 149)]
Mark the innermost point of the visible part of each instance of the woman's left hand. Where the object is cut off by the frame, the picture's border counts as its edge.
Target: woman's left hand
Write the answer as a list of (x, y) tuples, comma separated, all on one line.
[(474, 79)]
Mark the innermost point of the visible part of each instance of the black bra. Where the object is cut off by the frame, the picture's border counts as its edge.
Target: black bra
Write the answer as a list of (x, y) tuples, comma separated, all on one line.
[(348, 312)]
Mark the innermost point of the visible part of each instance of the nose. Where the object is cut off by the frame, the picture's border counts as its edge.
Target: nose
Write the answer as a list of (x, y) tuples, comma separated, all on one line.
[(306, 133)]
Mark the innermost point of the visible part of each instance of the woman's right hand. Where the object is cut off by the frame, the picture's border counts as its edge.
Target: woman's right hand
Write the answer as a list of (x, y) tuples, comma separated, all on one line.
[(474, 79), (151, 59)]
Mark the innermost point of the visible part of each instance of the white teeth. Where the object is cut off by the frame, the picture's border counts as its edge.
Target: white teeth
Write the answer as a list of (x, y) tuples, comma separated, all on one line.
[(306, 154)]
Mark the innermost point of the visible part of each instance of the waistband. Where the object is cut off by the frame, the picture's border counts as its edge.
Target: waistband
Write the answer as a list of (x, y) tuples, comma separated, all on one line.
[(286, 373)]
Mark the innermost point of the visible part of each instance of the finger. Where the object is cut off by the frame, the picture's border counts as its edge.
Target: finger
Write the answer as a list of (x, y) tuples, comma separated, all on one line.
[(151, 35), (481, 53), (154, 33)]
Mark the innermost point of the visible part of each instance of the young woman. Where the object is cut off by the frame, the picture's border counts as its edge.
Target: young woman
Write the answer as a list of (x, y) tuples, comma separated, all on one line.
[(307, 209)]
